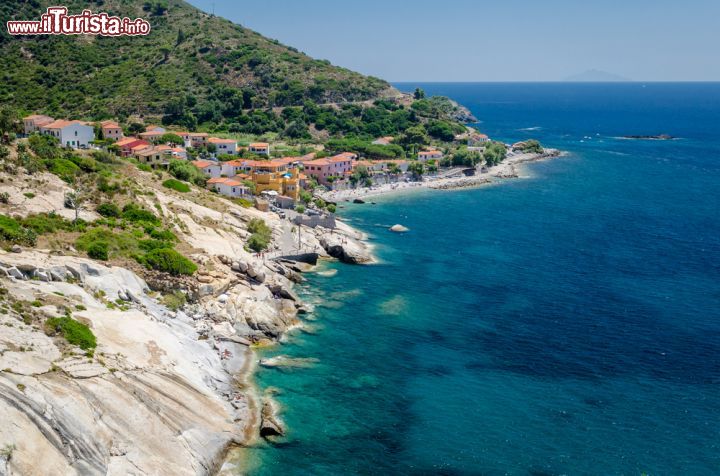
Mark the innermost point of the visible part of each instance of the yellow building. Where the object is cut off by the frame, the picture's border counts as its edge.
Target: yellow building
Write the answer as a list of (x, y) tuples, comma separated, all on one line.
[(284, 183)]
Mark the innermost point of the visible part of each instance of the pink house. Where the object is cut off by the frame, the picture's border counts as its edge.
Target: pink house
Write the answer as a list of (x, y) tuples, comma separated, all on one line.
[(111, 130), (337, 166), (34, 122)]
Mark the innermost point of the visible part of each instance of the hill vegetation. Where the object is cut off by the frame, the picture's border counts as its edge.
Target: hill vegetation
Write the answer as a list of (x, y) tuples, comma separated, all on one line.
[(191, 63)]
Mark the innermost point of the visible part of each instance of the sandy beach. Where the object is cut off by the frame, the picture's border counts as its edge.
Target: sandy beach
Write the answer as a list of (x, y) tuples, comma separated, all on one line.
[(509, 168)]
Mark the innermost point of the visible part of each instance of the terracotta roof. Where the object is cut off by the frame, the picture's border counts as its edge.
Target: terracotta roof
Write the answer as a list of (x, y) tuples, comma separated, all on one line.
[(110, 125), (344, 156), (139, 147), (58, 124), (126, 141), (225, 181), (178, 149), (201, 164), (151, 133), (429, 152), (217, 140), (198, 134), (270, 163), (288, 160), (320, 162), (258, 145), (39, 119), (245, 163), (151, 127)]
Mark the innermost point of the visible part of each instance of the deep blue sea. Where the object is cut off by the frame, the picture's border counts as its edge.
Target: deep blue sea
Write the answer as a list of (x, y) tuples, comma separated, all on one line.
[(564, 323)]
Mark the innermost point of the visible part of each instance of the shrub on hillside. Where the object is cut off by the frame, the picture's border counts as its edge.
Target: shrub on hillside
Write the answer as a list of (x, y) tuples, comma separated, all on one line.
[(185, 171), (12, 231), (169, 261), (136, 213), (261, 235), (118, 243), (76, 333), (98, 250), (64, 169), (176, 185), (108, 210)]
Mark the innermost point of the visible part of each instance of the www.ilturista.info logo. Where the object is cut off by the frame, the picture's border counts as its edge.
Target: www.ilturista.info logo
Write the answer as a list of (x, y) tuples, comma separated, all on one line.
[(57, 22)]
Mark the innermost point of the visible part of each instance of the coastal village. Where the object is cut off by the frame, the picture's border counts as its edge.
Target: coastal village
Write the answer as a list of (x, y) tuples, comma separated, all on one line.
[(256, 172)]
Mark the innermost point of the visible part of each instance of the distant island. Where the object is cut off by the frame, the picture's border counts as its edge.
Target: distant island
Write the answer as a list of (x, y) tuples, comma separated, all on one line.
[(596, 76)]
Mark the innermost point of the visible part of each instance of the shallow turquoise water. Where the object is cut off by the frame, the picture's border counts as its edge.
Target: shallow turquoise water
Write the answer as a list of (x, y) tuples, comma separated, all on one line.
[(567, 323)]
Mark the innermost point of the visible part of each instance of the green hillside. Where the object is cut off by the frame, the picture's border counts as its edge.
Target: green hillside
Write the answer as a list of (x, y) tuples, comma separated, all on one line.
[(191, 64)]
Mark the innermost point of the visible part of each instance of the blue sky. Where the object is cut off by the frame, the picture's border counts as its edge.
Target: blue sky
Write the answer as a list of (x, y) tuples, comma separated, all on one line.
[(500, 40)]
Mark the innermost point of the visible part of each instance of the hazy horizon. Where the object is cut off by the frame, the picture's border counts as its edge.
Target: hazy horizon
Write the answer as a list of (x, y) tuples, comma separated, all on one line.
[(482, 41)]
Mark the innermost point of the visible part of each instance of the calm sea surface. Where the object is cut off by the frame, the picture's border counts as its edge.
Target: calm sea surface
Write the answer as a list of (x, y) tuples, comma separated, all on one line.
[(567, 323)]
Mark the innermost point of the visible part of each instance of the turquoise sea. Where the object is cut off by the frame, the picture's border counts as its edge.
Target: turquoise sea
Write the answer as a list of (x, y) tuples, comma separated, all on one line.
[(566, 323)]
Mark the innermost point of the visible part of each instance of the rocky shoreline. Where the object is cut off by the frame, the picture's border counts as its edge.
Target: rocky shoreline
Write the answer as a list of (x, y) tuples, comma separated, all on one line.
[(169, 389)]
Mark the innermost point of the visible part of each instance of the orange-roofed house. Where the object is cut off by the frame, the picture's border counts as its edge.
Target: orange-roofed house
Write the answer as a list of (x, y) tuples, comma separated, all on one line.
[(239, 166), (152, 133), (425, 155), (75, 134), (209, 168), (127, 145), (33, 123), (197, 140), (231, 187), (270, 166), (224, 146), (262, 148), (179, 152), (111, 130)]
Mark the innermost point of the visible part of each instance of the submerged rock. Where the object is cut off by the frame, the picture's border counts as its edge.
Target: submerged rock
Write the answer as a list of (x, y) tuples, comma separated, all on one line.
[(285, 361), (399, 229)]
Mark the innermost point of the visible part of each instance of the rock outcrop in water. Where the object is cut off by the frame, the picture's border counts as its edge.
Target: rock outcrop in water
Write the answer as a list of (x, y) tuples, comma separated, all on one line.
[(345, 249)]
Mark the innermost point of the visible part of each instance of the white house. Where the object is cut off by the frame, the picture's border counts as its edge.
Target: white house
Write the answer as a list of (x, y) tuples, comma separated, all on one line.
[(426, 155), (179, 153), (75, 134), (209, 168), (33, 123), (262, 148), (477, 140), (230, 187), (224, 146)]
